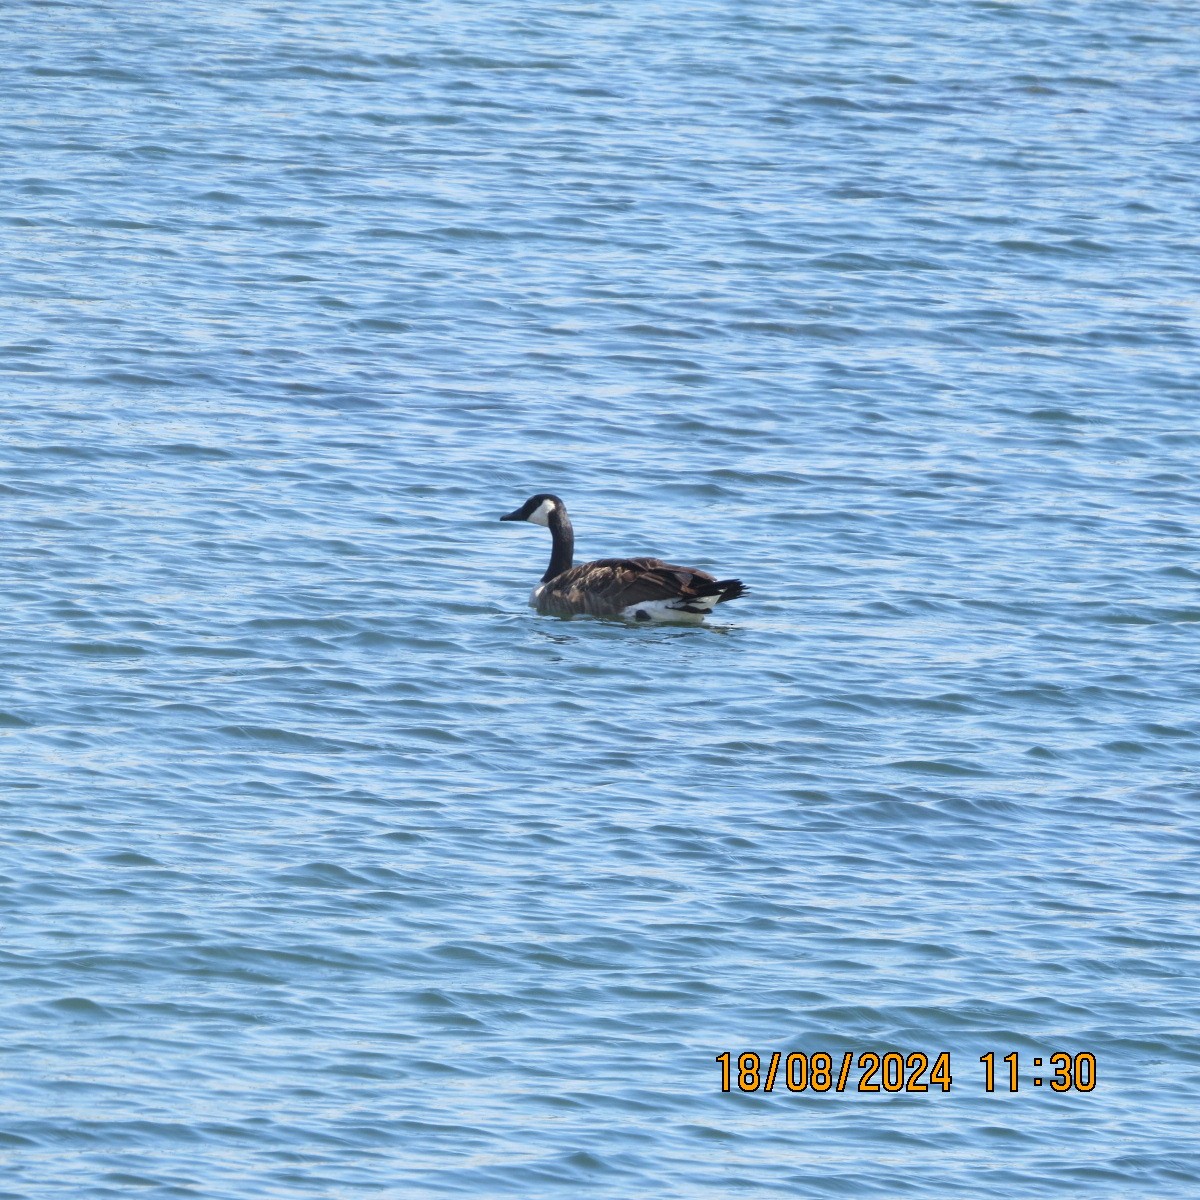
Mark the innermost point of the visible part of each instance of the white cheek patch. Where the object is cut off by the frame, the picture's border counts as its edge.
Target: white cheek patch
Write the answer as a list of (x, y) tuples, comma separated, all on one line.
[(541, 514)]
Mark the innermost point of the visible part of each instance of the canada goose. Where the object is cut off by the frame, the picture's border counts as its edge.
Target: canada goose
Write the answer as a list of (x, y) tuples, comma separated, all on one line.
[(638, 589)]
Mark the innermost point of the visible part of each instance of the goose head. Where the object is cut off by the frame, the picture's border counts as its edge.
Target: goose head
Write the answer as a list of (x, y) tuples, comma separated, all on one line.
[(537, 509)]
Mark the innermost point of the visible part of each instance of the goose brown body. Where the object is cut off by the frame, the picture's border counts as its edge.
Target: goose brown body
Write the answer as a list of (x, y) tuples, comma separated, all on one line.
[(639, 589), (610, 586)]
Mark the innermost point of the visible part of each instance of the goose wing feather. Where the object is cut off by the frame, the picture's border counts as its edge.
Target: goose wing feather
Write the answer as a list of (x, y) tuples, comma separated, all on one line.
[(606, 587)]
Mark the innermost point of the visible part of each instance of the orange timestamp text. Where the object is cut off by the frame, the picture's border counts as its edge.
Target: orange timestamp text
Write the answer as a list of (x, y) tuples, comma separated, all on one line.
[(890, 1071)]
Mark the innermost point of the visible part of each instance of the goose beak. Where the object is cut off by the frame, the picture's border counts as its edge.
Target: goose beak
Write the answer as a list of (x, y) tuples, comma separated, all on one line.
[(515, 515)]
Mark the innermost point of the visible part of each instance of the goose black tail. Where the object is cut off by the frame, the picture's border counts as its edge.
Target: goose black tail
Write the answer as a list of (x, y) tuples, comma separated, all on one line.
[(731, 589), (723, 589)]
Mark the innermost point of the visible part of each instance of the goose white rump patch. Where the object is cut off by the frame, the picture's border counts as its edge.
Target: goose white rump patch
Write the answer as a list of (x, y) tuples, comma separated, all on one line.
[(670, 610)]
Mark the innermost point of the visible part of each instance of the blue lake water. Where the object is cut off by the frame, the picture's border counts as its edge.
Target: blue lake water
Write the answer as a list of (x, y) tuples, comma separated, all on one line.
[(328, 868)]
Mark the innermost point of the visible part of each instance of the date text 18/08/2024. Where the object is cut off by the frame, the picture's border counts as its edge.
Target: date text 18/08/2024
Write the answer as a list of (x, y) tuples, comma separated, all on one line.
[(895, 1072)]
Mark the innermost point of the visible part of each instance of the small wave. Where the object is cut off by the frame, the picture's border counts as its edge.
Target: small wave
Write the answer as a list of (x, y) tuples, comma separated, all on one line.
[(107, 649), (922, 766)]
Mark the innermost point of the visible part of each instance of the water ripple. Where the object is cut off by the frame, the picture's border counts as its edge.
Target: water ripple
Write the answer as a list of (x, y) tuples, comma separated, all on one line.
[(330, 868)]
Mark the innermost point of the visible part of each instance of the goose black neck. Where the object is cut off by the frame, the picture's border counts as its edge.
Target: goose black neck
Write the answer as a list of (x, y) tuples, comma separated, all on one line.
[(563, 554)]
